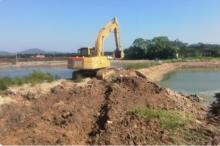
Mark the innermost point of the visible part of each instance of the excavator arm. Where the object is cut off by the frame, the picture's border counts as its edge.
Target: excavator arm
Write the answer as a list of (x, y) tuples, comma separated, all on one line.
[(104, 33)]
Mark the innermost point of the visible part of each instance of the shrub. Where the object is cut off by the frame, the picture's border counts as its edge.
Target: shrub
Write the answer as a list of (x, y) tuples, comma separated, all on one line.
[(39, 77), (35, 77), (3, 85), (5, 82)]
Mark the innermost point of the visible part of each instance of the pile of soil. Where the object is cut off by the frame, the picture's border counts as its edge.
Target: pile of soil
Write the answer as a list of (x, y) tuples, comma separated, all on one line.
[(101, 112)]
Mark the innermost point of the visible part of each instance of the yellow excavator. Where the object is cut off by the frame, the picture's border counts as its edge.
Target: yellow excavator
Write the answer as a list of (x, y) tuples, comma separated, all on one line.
[(91, 60)]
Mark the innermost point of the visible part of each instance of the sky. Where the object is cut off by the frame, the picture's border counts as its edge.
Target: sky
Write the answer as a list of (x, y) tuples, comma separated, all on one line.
[(66, 25)]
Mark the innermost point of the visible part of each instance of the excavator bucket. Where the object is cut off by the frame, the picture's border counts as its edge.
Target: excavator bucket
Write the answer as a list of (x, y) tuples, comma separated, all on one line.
[(119, 54)]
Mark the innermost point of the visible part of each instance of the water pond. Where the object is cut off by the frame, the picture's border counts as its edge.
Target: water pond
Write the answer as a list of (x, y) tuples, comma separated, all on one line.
[(203, 82), (57, 72)]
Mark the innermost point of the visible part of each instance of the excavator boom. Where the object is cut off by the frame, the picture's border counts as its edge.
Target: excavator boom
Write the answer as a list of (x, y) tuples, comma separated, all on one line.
[(104, 33)]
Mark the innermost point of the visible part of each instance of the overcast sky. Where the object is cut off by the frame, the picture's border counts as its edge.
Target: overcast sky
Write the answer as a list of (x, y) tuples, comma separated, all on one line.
[(66, 25)]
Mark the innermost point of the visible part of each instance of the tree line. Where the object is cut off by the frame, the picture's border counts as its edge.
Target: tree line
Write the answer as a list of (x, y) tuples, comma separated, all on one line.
[(163, 48)]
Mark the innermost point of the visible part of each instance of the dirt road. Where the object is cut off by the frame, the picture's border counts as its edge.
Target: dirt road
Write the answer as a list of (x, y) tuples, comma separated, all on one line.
[(156, 73), (101, 112)]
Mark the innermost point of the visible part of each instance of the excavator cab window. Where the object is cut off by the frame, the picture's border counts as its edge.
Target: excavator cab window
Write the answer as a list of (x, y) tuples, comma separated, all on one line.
[(86, 51)]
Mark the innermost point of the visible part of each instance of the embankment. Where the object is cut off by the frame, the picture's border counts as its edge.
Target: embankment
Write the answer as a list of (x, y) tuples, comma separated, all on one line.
[(63, 63), (156, 73), (33, 64)]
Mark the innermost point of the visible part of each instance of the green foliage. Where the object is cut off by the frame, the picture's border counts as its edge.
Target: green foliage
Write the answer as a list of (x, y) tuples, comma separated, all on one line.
[(159, 47), (38, 77), (141, 65), (141, 43), (163, 48), (167, 119), (4, 83), (35, 77), (135, 53)]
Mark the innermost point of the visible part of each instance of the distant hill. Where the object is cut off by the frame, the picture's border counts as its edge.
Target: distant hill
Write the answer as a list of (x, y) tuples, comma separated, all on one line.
[(33, 51)]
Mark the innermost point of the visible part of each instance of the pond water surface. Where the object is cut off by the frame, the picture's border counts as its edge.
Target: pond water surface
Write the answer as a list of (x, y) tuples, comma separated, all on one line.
[(57, 72), (203, 82)]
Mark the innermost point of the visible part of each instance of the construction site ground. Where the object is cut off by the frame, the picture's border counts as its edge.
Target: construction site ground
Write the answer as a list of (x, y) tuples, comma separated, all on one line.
[(100, 112)]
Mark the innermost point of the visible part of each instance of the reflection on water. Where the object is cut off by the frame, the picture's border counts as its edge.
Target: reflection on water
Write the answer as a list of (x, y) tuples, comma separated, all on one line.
[(204, 82), (57, 72)]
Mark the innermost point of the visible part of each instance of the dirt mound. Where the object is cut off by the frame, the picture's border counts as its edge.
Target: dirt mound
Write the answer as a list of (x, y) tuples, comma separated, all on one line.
[(102, 112)]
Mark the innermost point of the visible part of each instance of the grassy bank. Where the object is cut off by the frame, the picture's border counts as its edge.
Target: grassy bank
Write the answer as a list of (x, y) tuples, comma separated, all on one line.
[(188, 59), (141, 65), (34, 78), (154, 63)]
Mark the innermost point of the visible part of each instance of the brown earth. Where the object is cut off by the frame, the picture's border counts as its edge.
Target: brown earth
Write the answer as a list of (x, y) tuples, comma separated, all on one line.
[(101, 112)]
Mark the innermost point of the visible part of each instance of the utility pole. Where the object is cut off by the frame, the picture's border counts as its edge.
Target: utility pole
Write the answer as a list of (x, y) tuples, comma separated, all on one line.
[(16, 58)]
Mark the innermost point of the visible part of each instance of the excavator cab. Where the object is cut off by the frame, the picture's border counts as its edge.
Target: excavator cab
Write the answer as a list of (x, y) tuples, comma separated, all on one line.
[(86, 51)]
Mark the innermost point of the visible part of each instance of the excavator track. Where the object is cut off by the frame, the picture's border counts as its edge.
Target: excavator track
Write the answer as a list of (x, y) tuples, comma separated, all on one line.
[(83, 74), (101, 74)]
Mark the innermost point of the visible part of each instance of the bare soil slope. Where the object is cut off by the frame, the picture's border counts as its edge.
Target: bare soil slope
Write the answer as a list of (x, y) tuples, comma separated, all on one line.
[(102, 112)]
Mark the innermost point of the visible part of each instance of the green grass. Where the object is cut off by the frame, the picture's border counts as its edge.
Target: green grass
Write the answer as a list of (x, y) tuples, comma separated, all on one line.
[(167, 119), (141, 65), (198, 137), (34, 78), (39, 77), (202, 58), (152, 63)]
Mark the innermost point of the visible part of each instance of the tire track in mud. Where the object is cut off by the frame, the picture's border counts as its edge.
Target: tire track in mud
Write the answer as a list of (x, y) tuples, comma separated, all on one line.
[(102, 119)]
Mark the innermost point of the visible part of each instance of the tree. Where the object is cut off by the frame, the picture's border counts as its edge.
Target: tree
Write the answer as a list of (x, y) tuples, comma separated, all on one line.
[(134, 53), (161, 47), (141, 43)]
